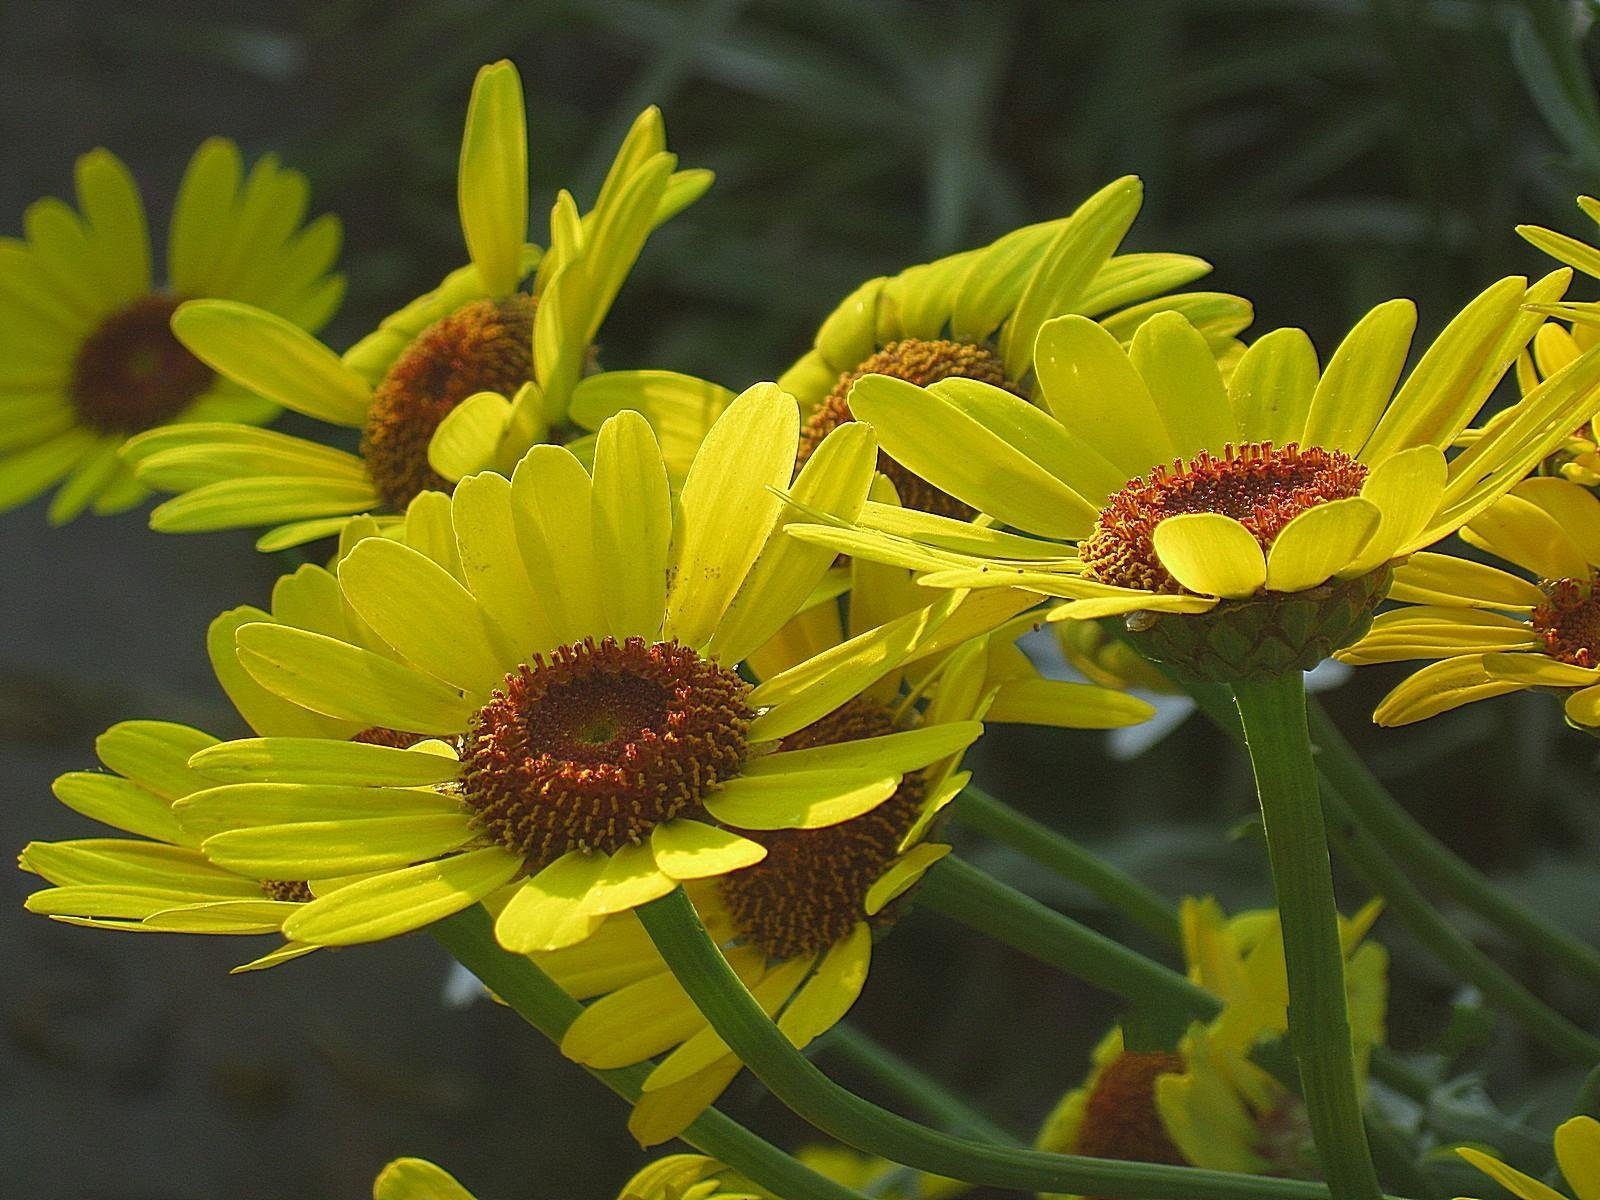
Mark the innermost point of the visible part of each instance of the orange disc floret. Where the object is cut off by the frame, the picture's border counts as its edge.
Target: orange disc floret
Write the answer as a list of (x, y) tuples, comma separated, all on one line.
[(132, 374), (294, 891), (811, 888), (1569, 621), (917, 361), (1259, 485), (596, 745), (484, 346), (1120, 1119)]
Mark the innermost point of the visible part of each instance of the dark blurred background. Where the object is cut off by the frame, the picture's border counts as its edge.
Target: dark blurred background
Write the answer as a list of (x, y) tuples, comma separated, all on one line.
[(1324, 154)]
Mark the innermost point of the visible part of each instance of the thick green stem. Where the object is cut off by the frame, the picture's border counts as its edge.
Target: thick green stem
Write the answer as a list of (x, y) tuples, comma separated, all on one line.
[(1274, 717), (979, 810), (1163, 996), (918, 1091), (535, 997), (727, 1005), (1413, 846)]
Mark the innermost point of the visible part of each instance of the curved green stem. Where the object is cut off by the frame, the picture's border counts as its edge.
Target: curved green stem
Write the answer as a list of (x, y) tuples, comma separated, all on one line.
[(727, 1005), (1163, 996), (975, 808), (913, 1086), (1274, 717), (535, 997), (1405, 839)]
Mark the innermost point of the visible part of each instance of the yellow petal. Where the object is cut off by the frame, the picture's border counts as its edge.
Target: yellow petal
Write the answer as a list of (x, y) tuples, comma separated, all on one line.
[(1583, 708), (416, 1179), (1535, 670), (1426, 632), (686, 849), (902, 874), (1522, 532), (1180, 370), (847, 335), (908, 750), (630, 879), (492, 181), (491, 563), (550, 497), (1578, 1152), (1508, 1177), (1090, 385), (468, 439), (1360, 379), (322, 760), (631, 515), (680, 408), (397, 902), (1444, 579), (551, 909), (1065, 705), (339, 847), (805, 800), (1271, 389), (827, 995), (1439, 687), (1575, 509), (1211, 554), (1407, 489), (1320, 542), (155, 755)]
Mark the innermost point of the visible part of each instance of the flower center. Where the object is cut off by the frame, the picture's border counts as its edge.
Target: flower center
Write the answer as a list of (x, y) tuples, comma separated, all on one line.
[(920, 362), (1569, 621), (295, 891), (485, 346), (810, 890), (595, 746), (1260, 486), (1121, 1120), (132, 374), (382, 735)]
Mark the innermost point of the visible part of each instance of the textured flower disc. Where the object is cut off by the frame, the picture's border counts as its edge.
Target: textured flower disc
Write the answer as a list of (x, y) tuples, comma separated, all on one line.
[(920, 362), (1258, 485), (395, 739), (132, 374), (595, 746), (810, 890), (295, 891), (485, 346), (1120, 1118), (1569, 621)]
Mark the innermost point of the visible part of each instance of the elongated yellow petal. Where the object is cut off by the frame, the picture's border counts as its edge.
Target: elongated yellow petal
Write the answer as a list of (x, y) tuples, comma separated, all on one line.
[(236, 805), (1271, 389), (1180, 371), (633, 1023), (902, 874), (1575, 509), (804, 800), (1522, 532), (1426, 578), (417, 1179), (339, 847), (550, 499), (120, 803), (706, 1047), (468, 439), (1513, 1180), (322, 760), (828, 994), (631, 513), (397, 902), (680, 408), (1583, 708), (1361, 376), (492, 182), (1578, 1151), (1321, 542), (686, 849), (1092, 388), (898, 753), (491, 564), (1066, 705), (551, 910), (1425, 632), (266, 500), (266, 712), (1407, 490), (1211, 554), (1439, 687), (155, 755), (630, 879), (661, 1115), (1537, 670), (114, 214)]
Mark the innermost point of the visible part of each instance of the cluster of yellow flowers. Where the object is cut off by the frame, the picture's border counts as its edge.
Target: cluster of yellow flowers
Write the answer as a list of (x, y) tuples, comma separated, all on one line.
[(582, 638)]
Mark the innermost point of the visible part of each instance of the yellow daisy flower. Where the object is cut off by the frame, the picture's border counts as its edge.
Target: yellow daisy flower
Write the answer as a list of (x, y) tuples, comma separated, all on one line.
[(1493, 631), (597, 711), (87, 356), (1577, 1152), (676, 1177), (1206, 1104), (157, 880), (1148, 485), (1578, 457), (799, 924), (461, 380)]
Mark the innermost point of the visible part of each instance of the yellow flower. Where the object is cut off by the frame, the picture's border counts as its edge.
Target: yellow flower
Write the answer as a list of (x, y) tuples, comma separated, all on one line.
[(1493, 631), (87, 356), (873, 1176), (157, 880), (461, 380), (1149, 485), (676, 1177), (1206, 1103), (575, 635), (1577, 1152)]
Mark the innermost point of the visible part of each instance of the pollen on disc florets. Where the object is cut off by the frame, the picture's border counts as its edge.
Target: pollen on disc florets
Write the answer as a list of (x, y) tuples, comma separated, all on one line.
[(919, 361), (810, 890), (596, 745), (1120, 1118), (132, 374), (484, 346), (1261, 486), (295, 891), (1569, 620)]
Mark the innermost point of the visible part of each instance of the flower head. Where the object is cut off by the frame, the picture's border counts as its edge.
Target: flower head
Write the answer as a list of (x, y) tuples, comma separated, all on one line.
[(89, 357), (461, 380), (1577, 1152)]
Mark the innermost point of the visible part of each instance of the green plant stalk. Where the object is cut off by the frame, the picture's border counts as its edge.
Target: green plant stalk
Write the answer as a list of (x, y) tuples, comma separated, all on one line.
[(1405, 839), (536, 998), (1273, 714), (727, 1005), (912, 1086), (978, 810), (1360, 847)]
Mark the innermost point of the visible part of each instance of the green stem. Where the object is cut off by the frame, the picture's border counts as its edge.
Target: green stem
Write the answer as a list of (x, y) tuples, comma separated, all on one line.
[(1361, 848), (469, 937), (727, 1005), (917, 1090), (1273, 714), (1405, 839), (966, 894), (981, 811)]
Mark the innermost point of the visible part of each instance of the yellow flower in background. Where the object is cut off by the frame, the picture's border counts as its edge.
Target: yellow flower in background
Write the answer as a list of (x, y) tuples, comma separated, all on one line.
[(461, 380), (1150, 485), (1206, 1103), (1577, 1152), (157, 880), (576, 637), (873, 1176), (799, 925), (417, 1179), (1493, 631), (676, 1177), (87, 356)]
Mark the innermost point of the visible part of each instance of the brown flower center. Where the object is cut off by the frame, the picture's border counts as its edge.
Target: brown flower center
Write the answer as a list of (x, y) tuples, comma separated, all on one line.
[(1569, 621), (296, 891), (132, 374), (595, 746), (811, 888), (920, 362), (485, 346), (1258, 485), (382, 735), (1121, 1120)]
